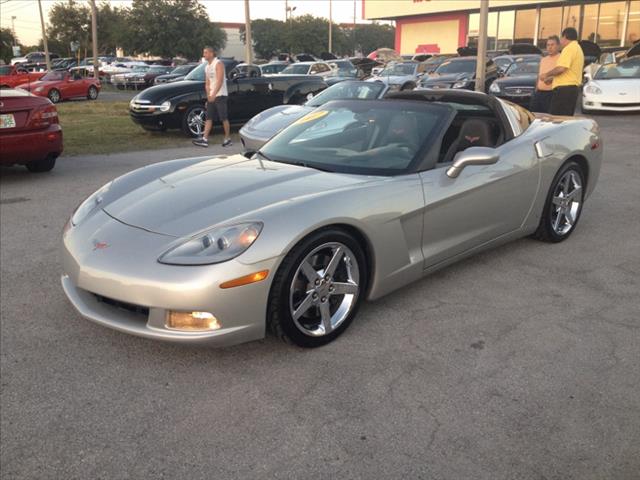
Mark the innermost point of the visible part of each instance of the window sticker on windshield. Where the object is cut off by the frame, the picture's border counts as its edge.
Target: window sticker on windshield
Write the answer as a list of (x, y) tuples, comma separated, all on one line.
[(311, 116), (445, 63)]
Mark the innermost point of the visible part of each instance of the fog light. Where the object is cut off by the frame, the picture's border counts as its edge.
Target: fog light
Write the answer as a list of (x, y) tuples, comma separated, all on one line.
[(192, 321)]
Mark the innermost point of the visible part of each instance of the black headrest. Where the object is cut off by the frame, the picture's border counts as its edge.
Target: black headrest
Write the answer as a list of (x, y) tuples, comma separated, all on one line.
[(475, 133)]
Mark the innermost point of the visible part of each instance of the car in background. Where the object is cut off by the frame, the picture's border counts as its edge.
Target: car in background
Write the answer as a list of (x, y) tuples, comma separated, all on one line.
[(519, 81), (459, 73), (365, 65), (273, 68), (178, 73), (343, 70), (321, 69), (131, 79), (243, 70), (155, 71), (60, 85), (63, 63), (13, 75), (614, 87), (435, 61), (34, 57), (30, 133), (181, 104), (257, 131), (401, 76)]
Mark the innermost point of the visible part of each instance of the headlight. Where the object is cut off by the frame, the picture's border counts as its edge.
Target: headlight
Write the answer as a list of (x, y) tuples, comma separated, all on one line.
[(90, 204), (394, 87), (460, 84), (165, 106), (593, 89), (132, 102), (39, 89), (213, 246), (494, 88)]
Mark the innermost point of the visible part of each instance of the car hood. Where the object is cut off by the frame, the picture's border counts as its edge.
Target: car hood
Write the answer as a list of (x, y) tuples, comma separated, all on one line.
[(447, 77), (620, 87), (270, 122), (221, 190), (35, 84), (517, 81), (159, 93)]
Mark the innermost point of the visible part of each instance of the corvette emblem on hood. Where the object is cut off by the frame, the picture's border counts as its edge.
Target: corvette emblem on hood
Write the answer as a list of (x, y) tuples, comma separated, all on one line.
[(97, 245)]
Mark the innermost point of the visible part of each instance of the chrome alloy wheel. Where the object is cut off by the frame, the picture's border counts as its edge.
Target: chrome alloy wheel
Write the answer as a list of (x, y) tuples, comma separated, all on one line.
[(567, 200), (54, 96), (324, 289), (195, 121)]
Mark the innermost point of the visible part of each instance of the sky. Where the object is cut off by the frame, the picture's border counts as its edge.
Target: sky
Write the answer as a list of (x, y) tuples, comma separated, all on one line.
[(27, 22)]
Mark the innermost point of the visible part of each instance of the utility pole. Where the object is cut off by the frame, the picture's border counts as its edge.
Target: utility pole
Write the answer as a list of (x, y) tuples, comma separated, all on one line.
[(248, 44), (13, 29), (354, 28), (44, 37), (94, 38), (330, 27), (482, 46)]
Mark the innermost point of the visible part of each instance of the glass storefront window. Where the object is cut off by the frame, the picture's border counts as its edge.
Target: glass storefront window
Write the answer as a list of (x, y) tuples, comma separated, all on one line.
[(590, 23), (525, 26), (550, 24), (571, 17), (474, 30), (505, 29), (633, 28), (611, 24)]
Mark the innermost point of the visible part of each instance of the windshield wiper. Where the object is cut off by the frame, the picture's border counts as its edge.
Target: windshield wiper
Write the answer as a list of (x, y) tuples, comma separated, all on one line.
[(308, 165)]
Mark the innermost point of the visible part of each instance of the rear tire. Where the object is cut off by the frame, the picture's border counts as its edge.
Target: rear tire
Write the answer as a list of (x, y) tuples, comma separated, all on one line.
[(92, 93), (564, 204), (44, 165), (313, 299), (54, 95)]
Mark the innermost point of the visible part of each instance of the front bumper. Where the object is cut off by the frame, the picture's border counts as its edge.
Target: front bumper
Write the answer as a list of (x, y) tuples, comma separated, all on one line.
[(596, 102), (157, 120), (122, 286)]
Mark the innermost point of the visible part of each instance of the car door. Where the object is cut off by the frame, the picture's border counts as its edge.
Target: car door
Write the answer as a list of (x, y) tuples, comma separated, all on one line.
[(482, 204)]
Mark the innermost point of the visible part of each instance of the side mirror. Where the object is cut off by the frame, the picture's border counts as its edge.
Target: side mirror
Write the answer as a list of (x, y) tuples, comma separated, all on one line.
[(472, 156)]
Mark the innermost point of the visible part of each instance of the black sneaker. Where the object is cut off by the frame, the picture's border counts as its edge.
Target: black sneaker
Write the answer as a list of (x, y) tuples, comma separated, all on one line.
[(201, 142), (227, 143)]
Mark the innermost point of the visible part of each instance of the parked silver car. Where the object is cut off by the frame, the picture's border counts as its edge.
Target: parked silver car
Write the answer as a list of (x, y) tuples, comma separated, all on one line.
[(352, 201), (257, 131), (401, 76)]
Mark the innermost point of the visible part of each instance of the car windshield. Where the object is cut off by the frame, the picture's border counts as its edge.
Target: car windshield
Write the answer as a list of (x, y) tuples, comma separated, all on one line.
[(523, 68), (5, 70), (182, 70), (275, 68), (54, 76), (458, 66), (296, 69), (348, 90), (368, 137), (627, 69), (197, 74), (140, 68), (158, 68), (399, 69)]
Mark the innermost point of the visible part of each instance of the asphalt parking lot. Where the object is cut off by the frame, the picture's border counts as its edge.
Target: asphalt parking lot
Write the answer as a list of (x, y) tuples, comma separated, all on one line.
[(520, 363)]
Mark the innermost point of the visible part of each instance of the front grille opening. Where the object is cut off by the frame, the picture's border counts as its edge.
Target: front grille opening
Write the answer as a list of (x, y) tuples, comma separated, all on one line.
[(129, 307)]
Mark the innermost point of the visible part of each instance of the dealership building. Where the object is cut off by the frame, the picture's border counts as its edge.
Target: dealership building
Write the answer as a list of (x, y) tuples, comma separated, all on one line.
[(441, 26)]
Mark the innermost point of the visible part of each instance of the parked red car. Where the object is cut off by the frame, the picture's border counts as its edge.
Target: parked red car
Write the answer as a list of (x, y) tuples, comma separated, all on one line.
[(11, 76), (30, 133), (61, 85)]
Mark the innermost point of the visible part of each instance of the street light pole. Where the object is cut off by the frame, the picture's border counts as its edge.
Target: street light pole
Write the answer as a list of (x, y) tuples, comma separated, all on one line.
[(482, 46), (13, 29), (248, 43), (44, 37)]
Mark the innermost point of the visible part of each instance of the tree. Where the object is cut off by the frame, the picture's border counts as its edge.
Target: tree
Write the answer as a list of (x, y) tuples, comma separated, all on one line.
[(7, 41), (268, 37), (172, 27), (113, 28), (69, 21), (370, 37)]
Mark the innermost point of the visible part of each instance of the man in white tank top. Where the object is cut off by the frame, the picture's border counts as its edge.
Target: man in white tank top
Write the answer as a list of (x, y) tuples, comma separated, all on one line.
[(216, 89)]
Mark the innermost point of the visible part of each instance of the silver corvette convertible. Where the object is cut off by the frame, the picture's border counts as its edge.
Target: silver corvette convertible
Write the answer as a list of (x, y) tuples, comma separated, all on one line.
[(257, 131), (350, 202)]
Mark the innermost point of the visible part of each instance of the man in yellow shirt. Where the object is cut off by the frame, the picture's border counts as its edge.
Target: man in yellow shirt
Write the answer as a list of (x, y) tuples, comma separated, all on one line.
[(566, 77)]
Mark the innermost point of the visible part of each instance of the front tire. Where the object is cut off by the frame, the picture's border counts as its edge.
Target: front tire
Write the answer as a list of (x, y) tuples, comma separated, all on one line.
[(318, 289), (193, 121), (40, 166), (564, 204), (54, 95)]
